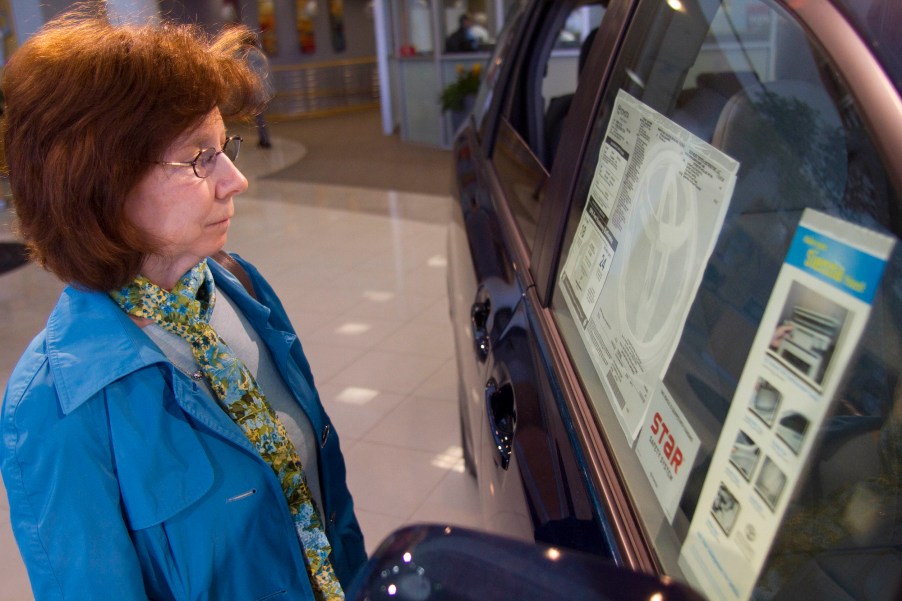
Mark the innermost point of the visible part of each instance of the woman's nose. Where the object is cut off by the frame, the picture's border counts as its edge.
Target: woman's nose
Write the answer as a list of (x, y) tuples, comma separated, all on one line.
[(231, 181)]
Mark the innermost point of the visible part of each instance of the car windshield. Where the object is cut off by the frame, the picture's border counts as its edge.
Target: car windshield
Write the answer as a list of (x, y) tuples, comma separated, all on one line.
[(880, 23)]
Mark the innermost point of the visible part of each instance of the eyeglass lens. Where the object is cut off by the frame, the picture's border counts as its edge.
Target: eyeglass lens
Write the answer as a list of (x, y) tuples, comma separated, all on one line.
[(206, 160), (231, 147)]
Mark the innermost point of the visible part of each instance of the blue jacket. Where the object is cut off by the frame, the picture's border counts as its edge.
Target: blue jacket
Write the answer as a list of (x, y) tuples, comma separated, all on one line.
[(126, 481)]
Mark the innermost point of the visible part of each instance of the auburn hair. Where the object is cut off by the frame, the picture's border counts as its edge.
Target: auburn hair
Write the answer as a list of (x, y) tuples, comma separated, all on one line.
[(89, 107)]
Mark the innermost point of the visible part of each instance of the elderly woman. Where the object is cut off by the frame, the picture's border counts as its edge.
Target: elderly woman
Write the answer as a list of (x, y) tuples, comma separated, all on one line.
[(162, 437)]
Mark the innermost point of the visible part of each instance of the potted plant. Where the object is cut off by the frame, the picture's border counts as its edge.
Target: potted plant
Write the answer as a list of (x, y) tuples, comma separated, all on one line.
[(457, 97)]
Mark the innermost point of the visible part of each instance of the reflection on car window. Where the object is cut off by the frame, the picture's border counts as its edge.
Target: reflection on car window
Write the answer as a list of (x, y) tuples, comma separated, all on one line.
[(744, 79), (539, 101), (502, 52), (547, 84), (468, 27)]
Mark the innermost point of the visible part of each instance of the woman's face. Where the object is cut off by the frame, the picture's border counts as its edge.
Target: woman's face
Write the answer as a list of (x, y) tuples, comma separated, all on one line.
[(188, 215)]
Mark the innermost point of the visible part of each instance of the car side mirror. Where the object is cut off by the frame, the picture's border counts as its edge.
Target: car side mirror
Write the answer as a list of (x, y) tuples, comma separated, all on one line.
[(447, 563)]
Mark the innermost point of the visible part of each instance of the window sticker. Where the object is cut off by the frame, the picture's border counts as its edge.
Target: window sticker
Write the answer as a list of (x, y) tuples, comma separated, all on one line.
[(813, 322), (666, 448), (656, 206)]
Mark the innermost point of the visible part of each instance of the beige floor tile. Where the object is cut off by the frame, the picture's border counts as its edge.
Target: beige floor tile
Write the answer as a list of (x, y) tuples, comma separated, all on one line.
[(356, 410), (455, 501), (420, 338), (326, 360), (376, 527), (348, 331), (391, 480), (420, 424), (388, 372), (441, 385)]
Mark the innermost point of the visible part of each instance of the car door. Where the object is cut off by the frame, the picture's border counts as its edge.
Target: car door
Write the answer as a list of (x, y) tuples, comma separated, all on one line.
[(723, 138), (482, 286), (531, 484)]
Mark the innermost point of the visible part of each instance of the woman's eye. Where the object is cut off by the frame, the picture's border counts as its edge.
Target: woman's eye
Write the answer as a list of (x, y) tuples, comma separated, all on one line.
[(207, 156)]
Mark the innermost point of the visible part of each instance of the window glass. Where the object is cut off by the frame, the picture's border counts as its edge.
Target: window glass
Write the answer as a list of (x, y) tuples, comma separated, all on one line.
[(500, 55), (540, 99), (545, 86), (562, 73), (750, 394), (469, 26)]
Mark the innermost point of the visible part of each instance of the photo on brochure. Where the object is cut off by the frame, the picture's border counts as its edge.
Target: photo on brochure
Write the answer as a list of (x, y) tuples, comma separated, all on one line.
[(766, 401), (745, 455), (725, 509), (770, 483), (810, 325), (791, 429)]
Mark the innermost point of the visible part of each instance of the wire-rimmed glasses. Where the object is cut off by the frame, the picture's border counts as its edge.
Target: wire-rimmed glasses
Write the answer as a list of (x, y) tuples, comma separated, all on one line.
[(205, 161)]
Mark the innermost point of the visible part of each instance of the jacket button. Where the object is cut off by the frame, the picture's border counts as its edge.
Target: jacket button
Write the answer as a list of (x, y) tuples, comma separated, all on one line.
[(325, 435), (332, 517)]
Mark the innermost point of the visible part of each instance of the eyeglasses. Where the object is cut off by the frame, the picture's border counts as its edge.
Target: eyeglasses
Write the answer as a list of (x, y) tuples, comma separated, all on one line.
[(205, 161)]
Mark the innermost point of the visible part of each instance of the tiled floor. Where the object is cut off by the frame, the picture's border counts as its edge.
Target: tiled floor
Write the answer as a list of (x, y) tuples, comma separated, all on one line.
[(362, 275)]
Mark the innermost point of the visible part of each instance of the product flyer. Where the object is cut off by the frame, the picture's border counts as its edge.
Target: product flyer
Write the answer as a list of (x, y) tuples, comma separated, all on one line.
[(813, 322), (666, 448), (655, 208)]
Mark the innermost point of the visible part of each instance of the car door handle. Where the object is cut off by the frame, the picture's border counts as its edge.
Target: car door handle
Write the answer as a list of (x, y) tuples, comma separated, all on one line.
[(479, 317), (502, 416)]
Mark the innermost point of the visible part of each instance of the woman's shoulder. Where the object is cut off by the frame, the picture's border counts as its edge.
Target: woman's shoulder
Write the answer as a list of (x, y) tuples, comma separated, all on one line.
[(33, 405), (88, 342), (30, 371)]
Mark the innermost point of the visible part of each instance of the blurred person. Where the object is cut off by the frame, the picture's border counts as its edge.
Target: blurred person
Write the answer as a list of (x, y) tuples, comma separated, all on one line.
[(479, 30), (462, 40), (259, 64), (162, 437)]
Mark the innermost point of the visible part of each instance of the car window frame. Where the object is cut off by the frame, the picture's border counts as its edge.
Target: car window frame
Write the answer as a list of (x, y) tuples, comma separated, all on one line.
[(561, 186)]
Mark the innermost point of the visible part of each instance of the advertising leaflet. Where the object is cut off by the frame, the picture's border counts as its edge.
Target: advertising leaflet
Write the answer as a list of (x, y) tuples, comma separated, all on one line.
[(812, 323), (666, 448), (655, 208)]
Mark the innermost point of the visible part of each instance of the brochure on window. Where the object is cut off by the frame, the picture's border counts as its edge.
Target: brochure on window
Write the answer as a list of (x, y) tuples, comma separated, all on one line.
[(811, 325), (666, 448), (655, 208)]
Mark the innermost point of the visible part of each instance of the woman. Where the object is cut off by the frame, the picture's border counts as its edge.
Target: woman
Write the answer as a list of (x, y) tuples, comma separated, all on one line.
[(162, 437)]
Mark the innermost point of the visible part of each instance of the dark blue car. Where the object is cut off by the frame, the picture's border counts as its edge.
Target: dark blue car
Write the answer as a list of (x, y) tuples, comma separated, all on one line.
[(676, 290)]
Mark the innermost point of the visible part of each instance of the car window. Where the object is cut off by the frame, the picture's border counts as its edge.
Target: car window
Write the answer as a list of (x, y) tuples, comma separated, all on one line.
[(538, 102), (501, 54), (730, 292), (549, 74)]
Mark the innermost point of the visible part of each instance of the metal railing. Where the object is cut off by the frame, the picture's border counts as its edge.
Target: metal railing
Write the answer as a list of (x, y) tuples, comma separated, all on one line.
[(326, 87)]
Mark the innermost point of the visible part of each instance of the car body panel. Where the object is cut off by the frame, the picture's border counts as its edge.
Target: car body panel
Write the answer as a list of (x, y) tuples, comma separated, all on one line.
[(443, 563)]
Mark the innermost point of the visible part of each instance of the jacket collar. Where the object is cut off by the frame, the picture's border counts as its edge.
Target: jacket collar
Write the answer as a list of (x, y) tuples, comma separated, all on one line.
[(91, 342)]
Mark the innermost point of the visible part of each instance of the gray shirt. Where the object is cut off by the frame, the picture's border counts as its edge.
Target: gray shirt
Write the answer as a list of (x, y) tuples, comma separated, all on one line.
[(244, 341)]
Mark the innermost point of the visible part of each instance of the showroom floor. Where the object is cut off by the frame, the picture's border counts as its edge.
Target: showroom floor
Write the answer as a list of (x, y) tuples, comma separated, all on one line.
[(361, 272)]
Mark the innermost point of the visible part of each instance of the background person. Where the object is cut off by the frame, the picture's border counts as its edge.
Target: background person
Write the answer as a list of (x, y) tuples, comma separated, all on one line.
[(479, 30), (259, 64), (462, 40), (162, 437)]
